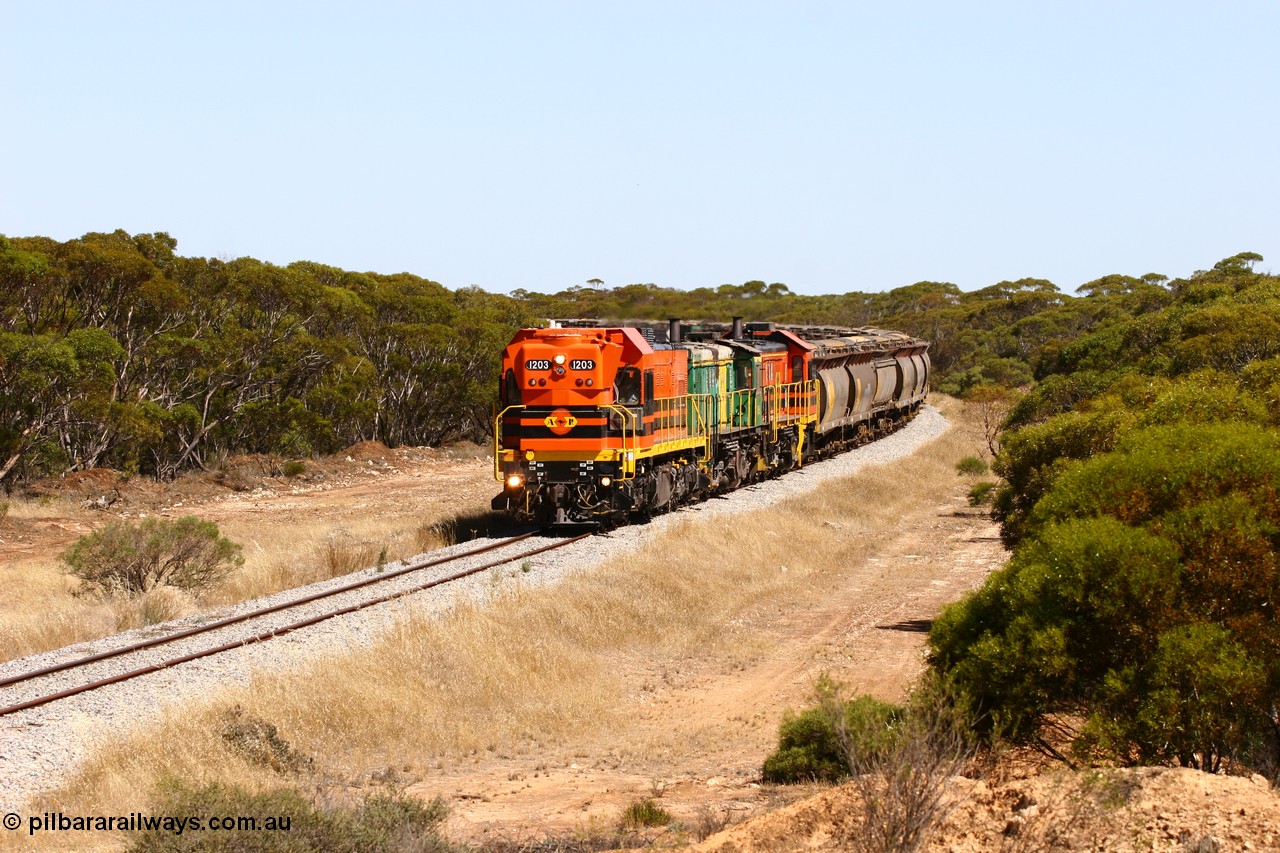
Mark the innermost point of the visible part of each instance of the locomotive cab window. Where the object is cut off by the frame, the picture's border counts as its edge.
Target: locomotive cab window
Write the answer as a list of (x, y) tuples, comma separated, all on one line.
[(648, 386), (510, 389), (626, 388)]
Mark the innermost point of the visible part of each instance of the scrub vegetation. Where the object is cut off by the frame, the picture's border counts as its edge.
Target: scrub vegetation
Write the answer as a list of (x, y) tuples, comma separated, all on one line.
[(117, 352), (1135, 623), (133, 559), (47, 604)]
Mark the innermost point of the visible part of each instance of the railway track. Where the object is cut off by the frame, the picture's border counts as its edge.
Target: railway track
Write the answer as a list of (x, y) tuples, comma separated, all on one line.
[(248, 635)]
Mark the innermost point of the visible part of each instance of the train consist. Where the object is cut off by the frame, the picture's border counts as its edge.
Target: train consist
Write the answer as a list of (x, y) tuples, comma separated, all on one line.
[(601, 423)]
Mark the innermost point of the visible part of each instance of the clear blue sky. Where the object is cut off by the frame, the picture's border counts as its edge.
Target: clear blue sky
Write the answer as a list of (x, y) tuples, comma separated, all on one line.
[(831, 146)]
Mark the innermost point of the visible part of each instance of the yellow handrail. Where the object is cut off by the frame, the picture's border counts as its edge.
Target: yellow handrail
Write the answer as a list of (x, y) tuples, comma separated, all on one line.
[(792, 402), (743, 409), (498, 473), (689, 413), (627, 470)]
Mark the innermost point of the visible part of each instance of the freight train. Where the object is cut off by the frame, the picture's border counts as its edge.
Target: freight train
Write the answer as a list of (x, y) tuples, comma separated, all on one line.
[(599, 424)]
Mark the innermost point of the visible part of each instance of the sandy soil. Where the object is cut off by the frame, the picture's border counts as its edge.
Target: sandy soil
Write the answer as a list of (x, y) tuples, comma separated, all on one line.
[(424, 484), (1145, 809), (704, 729)]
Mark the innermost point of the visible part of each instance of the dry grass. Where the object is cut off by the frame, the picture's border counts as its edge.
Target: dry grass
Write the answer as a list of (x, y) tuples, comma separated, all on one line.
[(38, 610), (533, 669), (41, 609), (46, 509), (283, 558)]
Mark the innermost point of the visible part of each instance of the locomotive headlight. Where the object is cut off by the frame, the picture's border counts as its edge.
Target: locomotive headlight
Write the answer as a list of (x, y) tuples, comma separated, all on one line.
[(560, 358), (515, 481), (606, 481)]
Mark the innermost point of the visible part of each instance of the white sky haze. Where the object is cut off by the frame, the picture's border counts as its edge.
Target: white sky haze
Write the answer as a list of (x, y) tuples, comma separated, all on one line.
[(831, 146)]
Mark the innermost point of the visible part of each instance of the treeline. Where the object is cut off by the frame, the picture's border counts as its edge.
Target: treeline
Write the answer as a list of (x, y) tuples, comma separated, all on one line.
[(1136, 621), (115, 351)]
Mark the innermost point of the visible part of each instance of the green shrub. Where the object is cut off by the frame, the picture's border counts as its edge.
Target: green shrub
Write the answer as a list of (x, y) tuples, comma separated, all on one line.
[(1208, 396), (1055, 395), (1186, 705), (1032, 458), (293, 468), (1086, 597), (381, 823), (645, 812), (810, 749), (1140, 600), (972, 466), (1141, 492), (985, 371), (807, 750), (982, 493), (129, 559), (1161, 469)]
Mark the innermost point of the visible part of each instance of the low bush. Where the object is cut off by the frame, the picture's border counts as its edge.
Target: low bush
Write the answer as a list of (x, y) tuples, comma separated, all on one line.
[(645, 812), (809, 743), (972, 466), (259, 741), (901, 760), (807, 751), (130, 560), (288, 822), (982, 493)]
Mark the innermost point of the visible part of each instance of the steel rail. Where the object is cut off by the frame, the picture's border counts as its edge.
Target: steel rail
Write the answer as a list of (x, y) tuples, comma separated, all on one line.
[(281, 631), (263, 611)]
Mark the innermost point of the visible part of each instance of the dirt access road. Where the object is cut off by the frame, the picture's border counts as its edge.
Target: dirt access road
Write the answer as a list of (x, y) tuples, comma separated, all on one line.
[(698, 731)]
